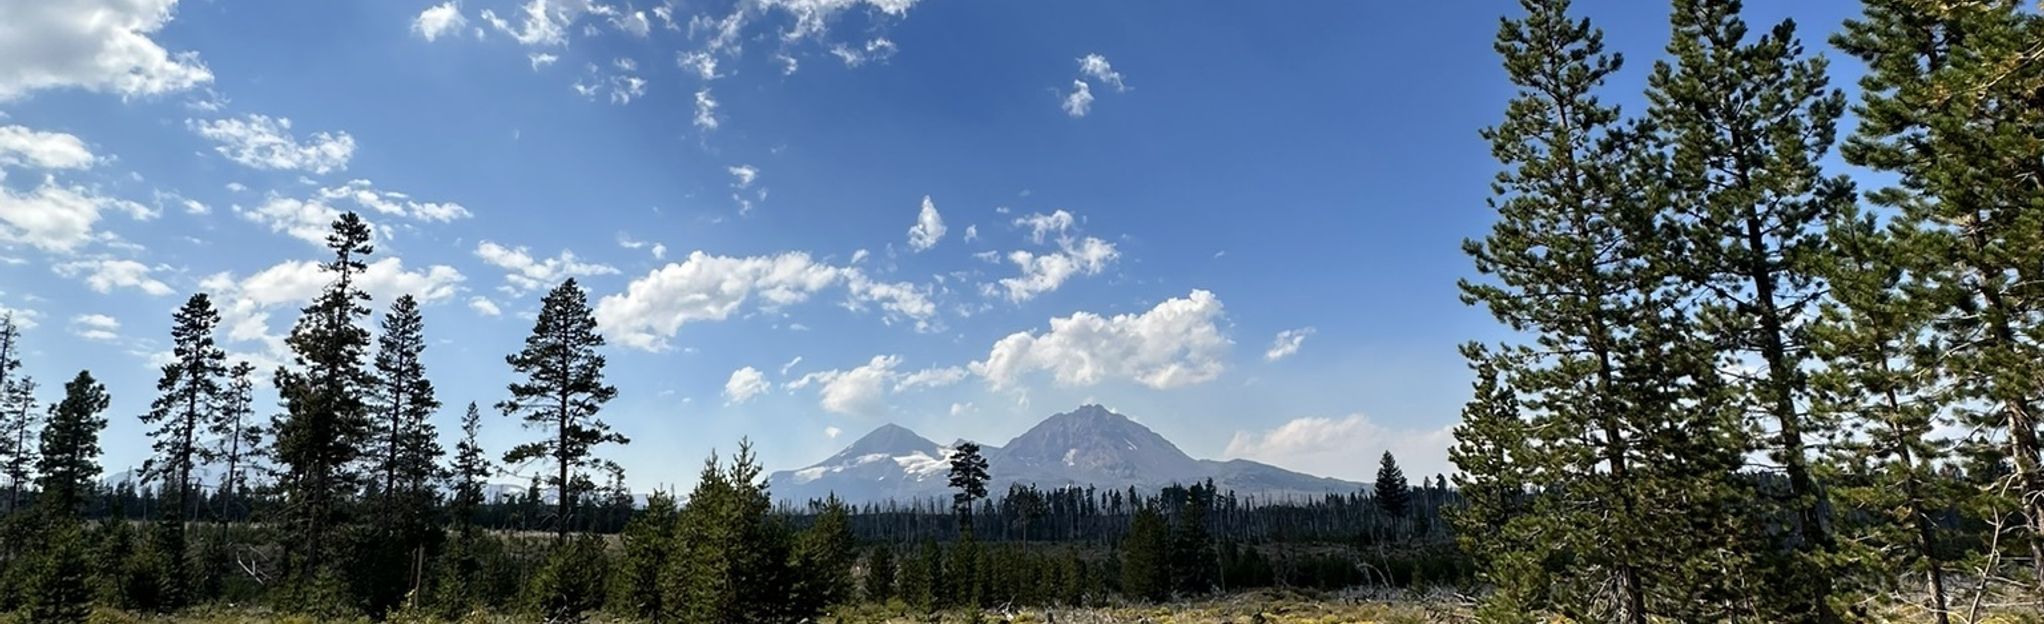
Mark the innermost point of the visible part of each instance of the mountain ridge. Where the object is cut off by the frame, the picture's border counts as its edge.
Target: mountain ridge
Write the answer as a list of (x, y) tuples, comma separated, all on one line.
[(1090, 446)]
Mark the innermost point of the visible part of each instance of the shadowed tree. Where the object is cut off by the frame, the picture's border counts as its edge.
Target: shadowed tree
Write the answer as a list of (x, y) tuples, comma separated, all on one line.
[(186, 404), (969, 477), (325, 421), (69, 458)]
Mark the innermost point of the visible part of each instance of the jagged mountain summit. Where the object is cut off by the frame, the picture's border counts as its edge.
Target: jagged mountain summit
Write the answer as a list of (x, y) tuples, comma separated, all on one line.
[(1089, 446)]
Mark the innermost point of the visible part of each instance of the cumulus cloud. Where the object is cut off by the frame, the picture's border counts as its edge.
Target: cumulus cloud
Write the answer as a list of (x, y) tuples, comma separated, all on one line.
[(1177, 343), (24, 147), (860, 391), (1042, 226), (96, 327), (832, 432), (484, 306), (929, 227), (1345, 447), (525, 274), (263, 142), (1042, 273), (931, 378), (58, 218), (743, 175), (96, 45), (105, 275), (1287, 343), (245, 303), (304, 220), (711, 288), (745, 383), (1080, 100), (1096, 67), (438, 20)]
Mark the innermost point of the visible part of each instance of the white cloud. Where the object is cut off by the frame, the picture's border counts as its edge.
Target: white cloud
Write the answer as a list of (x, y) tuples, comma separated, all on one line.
[(1177, 343), (864, 390), (192, 206), (96, 327), (876, 49), (1345, 448), (484, 306), (929, 227), (861, 391), (811, 16), (57, 218), (1042, 273), (971, 233), (960, 409), (245, 303), (859, 255), (526, 274), (706, 110), (1042, 225), (541, 59), (791, 364), (745, 383), (659, 251), (105, 275), (96, 45), (702, 63), (930, 378), (832, 432), (365, 194), (1096, 66), (1287, 343), (545, 21), (712, 288), (263, 142), (24, 318), (1080, 100), (23, 147), (438, 20), (308, 221), (743, 175)]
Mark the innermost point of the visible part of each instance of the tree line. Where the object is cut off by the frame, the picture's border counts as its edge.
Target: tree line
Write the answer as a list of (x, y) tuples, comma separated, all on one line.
[(345, 504), (1736, 386)]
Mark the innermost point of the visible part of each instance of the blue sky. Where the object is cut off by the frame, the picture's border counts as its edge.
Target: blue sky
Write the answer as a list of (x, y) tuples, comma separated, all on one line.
[(743, 184)]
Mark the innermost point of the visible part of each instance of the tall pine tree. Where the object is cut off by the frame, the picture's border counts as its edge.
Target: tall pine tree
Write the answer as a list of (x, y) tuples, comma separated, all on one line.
[(188, 393), (325, 421), (1744, 122), (969, 477), (560, 394), (403, 451), (19, 418), (1950, 105), (237, 437), (68, 462)]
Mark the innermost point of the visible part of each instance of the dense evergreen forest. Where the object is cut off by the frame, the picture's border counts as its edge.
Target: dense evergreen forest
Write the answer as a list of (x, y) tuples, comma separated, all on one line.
[(1738, 386)]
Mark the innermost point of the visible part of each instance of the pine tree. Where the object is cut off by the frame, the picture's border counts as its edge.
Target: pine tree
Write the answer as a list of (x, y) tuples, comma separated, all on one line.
[(1631, 421), (1744, 123), (1949, 107), (461, 579), (188, 393), (19, 418), (403, 451), (880, 570), (59, 590), (1393, 494), (969, 477), (1881, 378), (561, 393), (822, 561), (645, 548), (1491, 454), (69, 459), (237, 437), (325, 420), (471, 471), (1145, 560)]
